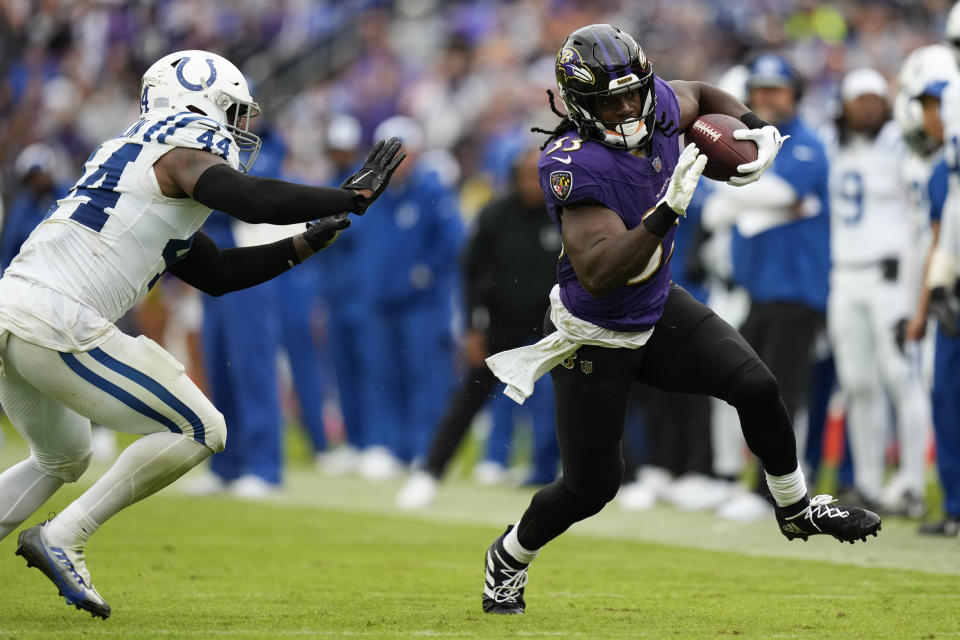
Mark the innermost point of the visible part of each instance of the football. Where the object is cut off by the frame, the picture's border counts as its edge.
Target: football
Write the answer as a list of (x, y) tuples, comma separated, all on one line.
[(713, 135)]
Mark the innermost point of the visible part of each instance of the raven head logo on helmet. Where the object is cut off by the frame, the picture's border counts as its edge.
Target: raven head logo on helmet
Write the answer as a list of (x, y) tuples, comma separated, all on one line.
[(599, 61), (207, 84)]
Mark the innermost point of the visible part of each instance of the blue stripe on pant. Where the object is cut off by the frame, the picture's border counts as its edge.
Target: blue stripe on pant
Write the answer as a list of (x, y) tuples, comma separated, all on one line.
[(153, 387), (946, 419), (125, 396)]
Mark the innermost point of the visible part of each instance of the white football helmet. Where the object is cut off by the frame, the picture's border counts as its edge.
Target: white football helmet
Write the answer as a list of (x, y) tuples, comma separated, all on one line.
[(951, 32), (925, 71), (207, 84), (925, 66)]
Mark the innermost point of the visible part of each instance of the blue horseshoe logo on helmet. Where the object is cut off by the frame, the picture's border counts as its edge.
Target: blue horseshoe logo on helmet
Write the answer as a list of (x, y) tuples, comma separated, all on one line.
[(196, 87)]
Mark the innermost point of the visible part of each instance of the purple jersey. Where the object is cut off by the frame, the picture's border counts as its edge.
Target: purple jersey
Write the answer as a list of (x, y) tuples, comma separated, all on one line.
[(573, 170)]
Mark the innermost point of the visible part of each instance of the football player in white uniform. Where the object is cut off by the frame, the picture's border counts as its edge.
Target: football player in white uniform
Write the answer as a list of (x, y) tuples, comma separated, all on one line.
[(871, 242), (133, 215), (923, 77)]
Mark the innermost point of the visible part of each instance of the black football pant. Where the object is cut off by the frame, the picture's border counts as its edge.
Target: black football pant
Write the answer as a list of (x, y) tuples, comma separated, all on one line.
[(471, 396), (783, 335), (691, 351)]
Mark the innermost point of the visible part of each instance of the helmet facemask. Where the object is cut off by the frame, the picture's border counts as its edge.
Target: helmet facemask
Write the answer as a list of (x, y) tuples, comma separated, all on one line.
[(632, 133), (598, 62), (238, 116)]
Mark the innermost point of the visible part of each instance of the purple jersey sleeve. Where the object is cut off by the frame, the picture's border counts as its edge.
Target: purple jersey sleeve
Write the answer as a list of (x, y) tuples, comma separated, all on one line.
[(564, 178)]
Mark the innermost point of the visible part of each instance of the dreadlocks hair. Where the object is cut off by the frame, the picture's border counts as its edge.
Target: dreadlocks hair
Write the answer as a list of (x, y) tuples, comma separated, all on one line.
[(565, 123)]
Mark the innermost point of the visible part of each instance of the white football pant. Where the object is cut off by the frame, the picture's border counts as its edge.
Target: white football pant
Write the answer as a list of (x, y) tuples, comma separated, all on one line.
[(862, 313), (127, 384)]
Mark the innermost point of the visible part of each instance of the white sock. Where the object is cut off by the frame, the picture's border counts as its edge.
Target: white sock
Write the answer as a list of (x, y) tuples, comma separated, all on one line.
[(146, 466), (71, 528), (23, 490), (515, 549), (788, 489)]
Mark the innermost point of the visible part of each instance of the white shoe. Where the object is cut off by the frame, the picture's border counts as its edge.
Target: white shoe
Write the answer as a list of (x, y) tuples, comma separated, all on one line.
[(206, 484), (745, 506), (377, 463), (339, 461), (644, 493), (65, 566), (697, 492), (418, 493), (253, 487), (636, 496), (489, 472)]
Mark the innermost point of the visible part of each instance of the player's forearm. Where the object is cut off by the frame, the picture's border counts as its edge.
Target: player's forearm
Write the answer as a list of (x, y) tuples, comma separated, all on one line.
[(217, 272), (615, 259), (264, 200)]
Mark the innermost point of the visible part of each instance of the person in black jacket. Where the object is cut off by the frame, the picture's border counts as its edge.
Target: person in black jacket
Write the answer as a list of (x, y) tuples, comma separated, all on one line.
[(509, 267)]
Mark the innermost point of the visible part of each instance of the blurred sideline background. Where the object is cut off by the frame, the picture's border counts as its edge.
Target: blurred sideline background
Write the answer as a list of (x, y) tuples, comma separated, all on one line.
[(472, 74)]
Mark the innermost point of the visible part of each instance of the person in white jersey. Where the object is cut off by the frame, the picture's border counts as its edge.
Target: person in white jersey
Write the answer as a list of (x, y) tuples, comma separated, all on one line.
[(133, 215), (872, 242)]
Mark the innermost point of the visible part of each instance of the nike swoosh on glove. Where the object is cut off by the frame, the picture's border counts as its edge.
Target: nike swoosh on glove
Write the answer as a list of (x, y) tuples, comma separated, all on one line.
[(376, 171), (768, 141)]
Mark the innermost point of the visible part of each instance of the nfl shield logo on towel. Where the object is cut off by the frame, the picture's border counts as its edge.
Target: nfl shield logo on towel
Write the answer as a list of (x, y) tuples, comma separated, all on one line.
[(561, 182)]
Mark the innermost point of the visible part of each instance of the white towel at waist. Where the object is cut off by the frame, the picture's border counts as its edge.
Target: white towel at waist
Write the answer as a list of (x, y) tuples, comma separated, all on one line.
[(521, 368)]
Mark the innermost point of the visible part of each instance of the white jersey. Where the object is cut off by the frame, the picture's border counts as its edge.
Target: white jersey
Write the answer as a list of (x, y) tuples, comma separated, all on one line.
[(104, 245), (869, 211)]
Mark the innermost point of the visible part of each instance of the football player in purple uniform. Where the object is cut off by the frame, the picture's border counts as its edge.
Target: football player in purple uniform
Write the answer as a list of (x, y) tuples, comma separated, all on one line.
[(616, 182)]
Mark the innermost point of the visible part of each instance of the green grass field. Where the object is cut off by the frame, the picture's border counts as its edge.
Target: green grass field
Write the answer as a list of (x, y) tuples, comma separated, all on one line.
[(331, 558)]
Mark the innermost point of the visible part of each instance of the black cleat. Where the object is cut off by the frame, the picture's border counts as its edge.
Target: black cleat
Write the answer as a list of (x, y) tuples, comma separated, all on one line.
[(505, 580), (816, 517), (65, 568)]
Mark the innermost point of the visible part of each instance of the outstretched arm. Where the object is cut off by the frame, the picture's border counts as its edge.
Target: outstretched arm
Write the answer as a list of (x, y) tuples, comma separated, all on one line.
[(207, 179), (217, 272)]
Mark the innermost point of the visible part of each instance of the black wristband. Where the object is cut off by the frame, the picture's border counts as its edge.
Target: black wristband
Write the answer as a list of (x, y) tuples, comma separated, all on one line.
[(753, 121), (659, 222)]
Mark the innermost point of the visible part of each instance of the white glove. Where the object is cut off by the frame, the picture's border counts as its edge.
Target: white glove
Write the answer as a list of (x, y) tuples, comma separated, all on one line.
[(768, 141), (683, 182)]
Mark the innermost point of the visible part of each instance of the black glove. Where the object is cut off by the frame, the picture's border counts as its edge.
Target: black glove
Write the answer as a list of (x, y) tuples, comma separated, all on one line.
[(900, 334), (945, 306), (378, 167), (322, 233)]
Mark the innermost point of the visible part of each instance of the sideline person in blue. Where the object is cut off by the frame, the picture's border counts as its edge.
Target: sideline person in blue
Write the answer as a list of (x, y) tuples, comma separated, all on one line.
[(411, 279)]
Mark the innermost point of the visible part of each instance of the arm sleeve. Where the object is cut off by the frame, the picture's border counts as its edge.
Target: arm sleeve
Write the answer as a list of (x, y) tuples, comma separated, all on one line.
[(258, 200), (217, 272)]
